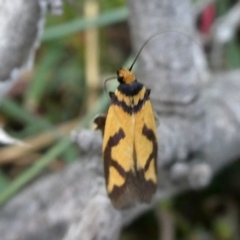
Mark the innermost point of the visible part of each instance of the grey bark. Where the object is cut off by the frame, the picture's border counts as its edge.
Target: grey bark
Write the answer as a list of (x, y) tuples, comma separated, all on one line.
[(22, 23), (198, 136)]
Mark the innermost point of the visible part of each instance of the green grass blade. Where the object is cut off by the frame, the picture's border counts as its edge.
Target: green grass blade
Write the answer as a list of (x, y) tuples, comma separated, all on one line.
[(33, 123), (77, 25), (38, 85), (233, 54), (3, 181), (71, 154), (15, 111)]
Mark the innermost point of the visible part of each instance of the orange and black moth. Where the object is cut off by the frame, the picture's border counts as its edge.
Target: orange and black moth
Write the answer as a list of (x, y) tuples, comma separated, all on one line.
[(129, 143)]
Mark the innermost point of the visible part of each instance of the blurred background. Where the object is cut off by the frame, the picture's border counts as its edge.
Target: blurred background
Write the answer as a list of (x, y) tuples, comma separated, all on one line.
[(71, 64)]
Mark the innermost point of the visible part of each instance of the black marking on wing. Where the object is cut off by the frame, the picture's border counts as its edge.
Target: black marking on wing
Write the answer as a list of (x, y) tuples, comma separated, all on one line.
[(130, 109), (153, 156), (107, 154), (135, 189)]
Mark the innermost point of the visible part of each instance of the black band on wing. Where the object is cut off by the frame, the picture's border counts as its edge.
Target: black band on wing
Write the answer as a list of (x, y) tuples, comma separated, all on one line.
[(107, 156), (130, 109)]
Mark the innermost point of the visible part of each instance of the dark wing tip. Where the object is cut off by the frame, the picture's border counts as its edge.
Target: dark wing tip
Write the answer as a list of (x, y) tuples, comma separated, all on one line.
[(135, 190)]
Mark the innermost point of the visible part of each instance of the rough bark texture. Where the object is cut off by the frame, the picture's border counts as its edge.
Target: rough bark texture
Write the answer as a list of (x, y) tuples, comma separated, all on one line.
[(171, 59), (198, 133), (19, 29), (22, 23)]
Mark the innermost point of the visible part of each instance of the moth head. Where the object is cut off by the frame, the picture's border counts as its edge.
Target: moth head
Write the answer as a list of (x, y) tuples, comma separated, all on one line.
[(125, 76)]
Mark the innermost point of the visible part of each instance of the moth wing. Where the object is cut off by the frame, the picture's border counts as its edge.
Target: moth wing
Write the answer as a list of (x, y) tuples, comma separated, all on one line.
[(118, 154), (145, 141)]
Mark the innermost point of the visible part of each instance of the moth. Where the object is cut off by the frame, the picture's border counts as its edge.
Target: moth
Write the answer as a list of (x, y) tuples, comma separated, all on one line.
[(129, 142)]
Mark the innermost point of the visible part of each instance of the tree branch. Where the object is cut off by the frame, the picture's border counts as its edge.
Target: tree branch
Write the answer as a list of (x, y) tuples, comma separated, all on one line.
[(21, 27), (198, 135)]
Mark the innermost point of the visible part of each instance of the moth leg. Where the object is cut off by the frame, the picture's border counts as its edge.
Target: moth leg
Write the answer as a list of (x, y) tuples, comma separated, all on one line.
[(100, 121)]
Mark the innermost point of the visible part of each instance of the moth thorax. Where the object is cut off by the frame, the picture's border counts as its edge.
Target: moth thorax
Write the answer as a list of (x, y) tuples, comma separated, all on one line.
[(125, 76)]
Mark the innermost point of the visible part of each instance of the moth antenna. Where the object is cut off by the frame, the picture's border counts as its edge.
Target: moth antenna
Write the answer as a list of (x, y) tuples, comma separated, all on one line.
[(156, 34), (106, 80)]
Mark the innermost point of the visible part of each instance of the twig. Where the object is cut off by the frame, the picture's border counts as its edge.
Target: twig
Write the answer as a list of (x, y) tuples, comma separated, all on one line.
[(14, 152), (92, 54), (223, 31), (225, 27), (166, 220)]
